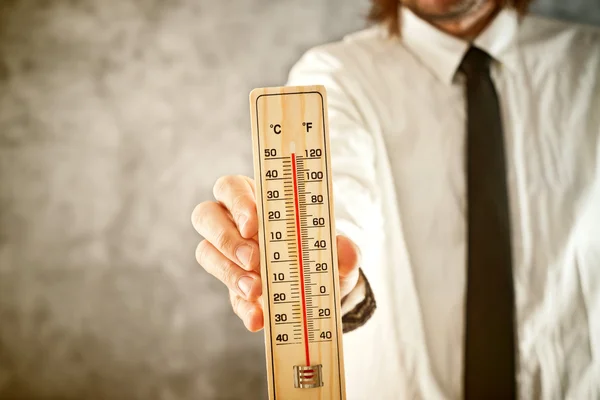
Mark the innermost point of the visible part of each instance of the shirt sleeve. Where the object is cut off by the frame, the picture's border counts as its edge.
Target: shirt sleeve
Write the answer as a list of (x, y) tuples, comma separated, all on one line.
[(356, 205)]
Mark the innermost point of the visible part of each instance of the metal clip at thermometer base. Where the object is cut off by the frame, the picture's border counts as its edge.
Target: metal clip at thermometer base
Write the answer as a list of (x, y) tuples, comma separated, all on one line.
[(301, 297)]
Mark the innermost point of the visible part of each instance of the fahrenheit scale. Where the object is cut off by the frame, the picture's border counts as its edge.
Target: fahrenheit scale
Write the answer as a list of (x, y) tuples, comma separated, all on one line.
[(301, 299)]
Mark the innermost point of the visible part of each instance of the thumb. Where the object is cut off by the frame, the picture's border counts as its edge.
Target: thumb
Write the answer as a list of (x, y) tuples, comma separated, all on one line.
[(348, 256)]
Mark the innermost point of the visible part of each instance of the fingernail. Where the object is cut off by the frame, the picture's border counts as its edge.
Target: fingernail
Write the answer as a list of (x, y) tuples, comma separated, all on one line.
[(245, 284), (248, 318), (243, 254), (242, 219)]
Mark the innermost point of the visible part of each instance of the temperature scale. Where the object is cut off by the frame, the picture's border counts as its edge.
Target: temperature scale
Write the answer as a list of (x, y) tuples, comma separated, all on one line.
[(301, 298)]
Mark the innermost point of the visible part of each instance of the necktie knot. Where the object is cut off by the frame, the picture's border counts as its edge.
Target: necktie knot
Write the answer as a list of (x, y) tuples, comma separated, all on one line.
[(475, 62)]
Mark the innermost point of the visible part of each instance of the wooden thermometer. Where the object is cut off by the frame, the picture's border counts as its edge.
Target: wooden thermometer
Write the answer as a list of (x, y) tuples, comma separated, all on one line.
[(301, 298)]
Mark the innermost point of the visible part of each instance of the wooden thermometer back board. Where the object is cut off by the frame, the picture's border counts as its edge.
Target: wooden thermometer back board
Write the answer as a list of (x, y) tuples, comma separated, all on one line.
[(301, 297)]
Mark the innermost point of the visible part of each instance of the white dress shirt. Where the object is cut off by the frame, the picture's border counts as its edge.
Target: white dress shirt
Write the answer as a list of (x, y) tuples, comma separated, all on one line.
[(397, 128)]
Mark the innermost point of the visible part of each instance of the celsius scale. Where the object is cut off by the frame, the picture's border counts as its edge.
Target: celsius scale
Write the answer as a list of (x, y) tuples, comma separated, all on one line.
[(301, 297)]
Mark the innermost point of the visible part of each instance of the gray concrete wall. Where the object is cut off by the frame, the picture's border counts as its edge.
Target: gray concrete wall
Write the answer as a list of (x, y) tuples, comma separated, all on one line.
[(116, 117)]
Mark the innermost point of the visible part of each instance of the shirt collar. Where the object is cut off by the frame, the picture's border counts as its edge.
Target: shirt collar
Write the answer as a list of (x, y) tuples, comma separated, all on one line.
[(442, 53)]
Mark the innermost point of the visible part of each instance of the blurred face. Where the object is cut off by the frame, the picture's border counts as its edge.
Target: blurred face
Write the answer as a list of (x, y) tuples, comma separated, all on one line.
[(444, 10)]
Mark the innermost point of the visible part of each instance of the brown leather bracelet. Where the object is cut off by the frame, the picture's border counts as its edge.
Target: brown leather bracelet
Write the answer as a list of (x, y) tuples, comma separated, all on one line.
[(362, 312)]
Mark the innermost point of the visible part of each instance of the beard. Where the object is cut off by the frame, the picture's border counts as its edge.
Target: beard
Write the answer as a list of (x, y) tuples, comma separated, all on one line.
[(458, 10)]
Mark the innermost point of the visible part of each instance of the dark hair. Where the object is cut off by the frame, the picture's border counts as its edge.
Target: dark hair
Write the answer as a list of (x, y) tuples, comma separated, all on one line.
[(386, 11)]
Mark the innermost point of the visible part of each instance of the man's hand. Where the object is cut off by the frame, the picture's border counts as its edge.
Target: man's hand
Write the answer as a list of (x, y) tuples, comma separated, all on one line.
[(230, 248)]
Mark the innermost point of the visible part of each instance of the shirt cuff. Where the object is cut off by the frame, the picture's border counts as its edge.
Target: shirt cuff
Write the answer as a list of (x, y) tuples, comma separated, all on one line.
[(359, 305)]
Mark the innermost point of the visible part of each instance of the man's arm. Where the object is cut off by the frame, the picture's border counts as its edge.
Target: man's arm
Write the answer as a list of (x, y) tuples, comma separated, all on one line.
[(357, 208)]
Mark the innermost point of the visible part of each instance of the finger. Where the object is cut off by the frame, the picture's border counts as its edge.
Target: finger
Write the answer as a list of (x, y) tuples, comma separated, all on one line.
[(348, 257), (236, 193), (250, 183), (244, 283), (250, 312), (212, 221)]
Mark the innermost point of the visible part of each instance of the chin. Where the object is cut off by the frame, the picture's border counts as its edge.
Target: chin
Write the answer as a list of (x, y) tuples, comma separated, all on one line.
[(442, 6), (440, 10)]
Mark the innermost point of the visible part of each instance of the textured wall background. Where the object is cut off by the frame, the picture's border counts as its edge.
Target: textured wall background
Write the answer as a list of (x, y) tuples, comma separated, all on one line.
[(116, 117)]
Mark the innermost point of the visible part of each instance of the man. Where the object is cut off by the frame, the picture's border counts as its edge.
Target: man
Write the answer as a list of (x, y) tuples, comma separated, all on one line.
[(466, 156)]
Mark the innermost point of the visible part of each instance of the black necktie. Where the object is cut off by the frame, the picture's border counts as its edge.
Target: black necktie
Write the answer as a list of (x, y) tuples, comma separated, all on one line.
[(489, 331)]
